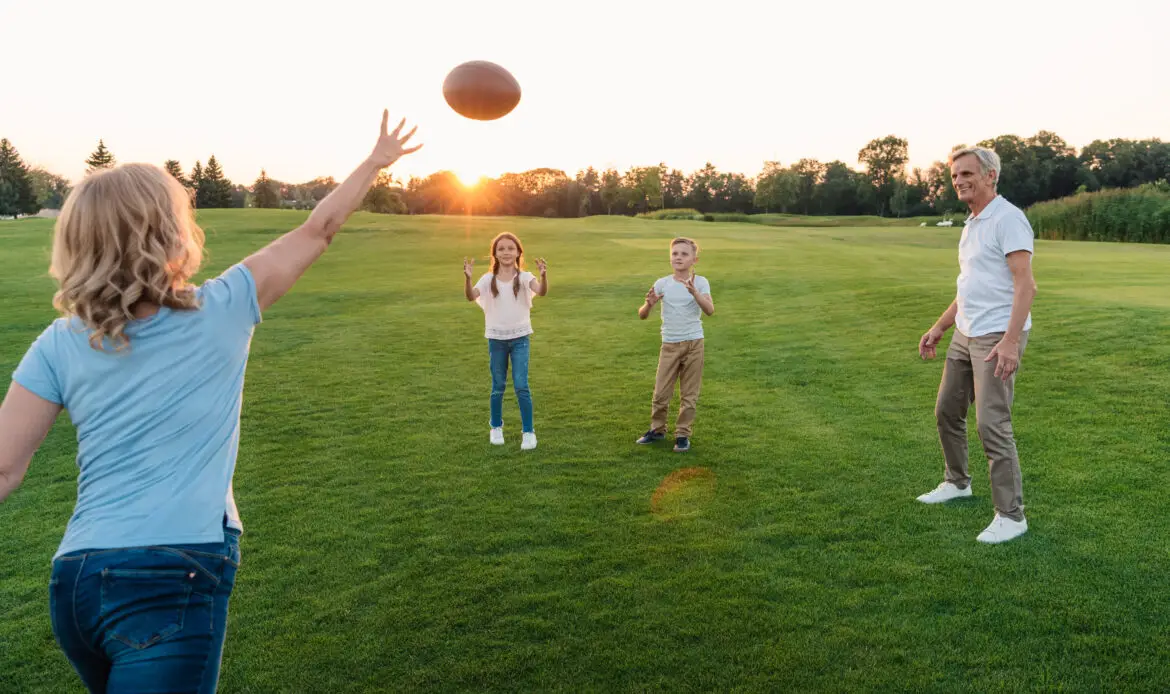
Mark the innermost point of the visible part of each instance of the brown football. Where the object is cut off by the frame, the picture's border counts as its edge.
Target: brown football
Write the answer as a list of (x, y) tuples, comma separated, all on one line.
[(481, 90)]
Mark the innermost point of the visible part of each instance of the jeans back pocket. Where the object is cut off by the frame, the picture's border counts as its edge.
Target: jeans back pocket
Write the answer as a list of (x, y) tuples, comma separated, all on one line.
[(141, 607)]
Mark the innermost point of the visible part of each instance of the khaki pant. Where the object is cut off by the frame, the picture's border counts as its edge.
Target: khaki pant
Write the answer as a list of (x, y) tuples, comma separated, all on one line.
[(967, 378), (681, 362)]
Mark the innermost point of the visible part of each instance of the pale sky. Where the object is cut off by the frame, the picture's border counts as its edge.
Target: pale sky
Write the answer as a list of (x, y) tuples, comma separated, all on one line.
[(298, 88)]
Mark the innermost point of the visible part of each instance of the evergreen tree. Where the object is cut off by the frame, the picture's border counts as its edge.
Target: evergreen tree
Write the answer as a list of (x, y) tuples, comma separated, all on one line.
[(16, 187), (100, 159), (175, 170), (213, 189), (265, 192), (196, 176)]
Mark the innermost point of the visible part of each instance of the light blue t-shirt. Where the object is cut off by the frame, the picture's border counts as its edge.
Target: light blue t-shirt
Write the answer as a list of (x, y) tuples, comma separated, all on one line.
[(158, 423), (681, 315)]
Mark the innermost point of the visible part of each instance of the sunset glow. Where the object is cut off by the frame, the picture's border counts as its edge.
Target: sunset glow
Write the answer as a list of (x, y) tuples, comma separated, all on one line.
[(267, 85)]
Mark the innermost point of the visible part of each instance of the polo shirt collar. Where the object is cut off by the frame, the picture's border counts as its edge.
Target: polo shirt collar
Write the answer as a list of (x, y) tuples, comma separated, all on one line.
[(989, 210)]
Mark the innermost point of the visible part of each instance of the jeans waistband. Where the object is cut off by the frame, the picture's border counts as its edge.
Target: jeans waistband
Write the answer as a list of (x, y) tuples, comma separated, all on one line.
[(81, 553)]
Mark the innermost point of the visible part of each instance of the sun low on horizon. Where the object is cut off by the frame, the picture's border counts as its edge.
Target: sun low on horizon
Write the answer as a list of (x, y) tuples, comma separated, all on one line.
[(473, 177)]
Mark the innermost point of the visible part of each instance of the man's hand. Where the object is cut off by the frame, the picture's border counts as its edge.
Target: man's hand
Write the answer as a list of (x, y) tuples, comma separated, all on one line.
[(927, 346), (1008, 352)]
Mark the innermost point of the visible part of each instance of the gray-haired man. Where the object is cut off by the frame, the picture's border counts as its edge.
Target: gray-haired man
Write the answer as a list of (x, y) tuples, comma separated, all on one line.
[(992, 317)]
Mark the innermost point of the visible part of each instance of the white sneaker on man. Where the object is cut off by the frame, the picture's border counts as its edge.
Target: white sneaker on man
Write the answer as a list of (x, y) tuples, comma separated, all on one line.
[(945, 492), (497, 436), (1003, 529), (528, 441)]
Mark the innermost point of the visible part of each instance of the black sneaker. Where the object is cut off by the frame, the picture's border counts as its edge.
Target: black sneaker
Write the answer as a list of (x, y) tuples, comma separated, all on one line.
[(651, 436), (682, 444)]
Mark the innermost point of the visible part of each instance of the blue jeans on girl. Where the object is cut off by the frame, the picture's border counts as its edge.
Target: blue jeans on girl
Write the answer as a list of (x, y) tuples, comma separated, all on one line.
[(145, 619), (500, 353)]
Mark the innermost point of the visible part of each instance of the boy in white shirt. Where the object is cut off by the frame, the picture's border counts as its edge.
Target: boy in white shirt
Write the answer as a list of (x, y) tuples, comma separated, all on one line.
[(684, 296)]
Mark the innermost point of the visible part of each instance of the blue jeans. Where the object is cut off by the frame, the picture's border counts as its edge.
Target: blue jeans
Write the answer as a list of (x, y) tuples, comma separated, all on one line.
[(500, 352), (145, 619)]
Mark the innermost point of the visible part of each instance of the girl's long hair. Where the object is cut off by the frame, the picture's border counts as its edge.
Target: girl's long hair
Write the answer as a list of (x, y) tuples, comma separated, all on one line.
[(496, 263)]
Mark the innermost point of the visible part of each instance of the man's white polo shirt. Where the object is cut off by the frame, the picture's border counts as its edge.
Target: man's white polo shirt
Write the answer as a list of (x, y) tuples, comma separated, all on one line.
[(985, 286)]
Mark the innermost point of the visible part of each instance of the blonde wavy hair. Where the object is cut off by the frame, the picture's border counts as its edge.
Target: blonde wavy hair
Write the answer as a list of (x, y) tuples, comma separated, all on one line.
[(126, 236)]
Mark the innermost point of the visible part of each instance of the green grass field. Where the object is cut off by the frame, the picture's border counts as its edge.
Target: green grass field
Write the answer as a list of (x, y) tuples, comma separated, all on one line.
[(389, 547)]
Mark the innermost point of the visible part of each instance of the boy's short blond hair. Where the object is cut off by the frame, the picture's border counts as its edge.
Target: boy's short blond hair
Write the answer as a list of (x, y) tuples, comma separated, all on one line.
[(682, 239)]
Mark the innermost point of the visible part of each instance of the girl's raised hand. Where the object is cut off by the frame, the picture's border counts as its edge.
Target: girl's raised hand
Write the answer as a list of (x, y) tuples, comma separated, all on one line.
[(541, 265), (468, 264)]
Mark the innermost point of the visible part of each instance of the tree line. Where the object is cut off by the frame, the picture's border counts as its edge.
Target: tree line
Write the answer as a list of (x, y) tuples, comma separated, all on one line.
[(1035, 169), (1038, 168)]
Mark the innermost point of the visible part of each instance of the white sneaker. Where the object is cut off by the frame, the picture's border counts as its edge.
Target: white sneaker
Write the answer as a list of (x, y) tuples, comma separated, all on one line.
[(944, 492), (1003, 529), (528, 442), (497, 436)]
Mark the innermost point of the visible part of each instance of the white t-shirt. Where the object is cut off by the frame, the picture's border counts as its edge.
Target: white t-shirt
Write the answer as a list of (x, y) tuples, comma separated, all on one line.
[(506, 317), (985, 285), (681, 315)]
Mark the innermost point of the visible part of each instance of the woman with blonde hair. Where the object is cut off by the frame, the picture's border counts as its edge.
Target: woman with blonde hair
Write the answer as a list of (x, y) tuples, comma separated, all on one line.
[(151, 370)]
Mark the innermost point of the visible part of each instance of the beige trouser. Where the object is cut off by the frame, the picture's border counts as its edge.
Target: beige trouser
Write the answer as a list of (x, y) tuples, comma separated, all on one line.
[(968, 378), (681, 362)]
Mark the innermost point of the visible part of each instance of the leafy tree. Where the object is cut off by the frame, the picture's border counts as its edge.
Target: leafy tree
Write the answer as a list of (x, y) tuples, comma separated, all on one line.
[(939, 193), (701, 187), (49, 188), (809, 173), (777, 188), (841, 190), (384, 201), (1056, 165), (240, 196), (674, 187), (590, 185), (766, 194), (732, 192), (439, 193), (611, 190), (643, 188), (321, 186), (384, 197), (885, 162)]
